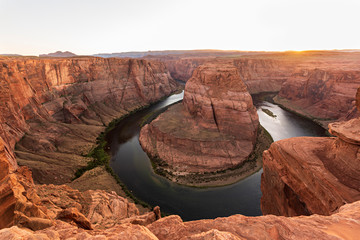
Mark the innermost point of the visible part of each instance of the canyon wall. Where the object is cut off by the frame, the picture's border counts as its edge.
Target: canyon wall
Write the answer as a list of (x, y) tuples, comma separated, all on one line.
[(56, 101), (317, 84), (258, 74), (321, 94), (306, 175), (62, 106), (57, 108), (215, 127), (64, 89)]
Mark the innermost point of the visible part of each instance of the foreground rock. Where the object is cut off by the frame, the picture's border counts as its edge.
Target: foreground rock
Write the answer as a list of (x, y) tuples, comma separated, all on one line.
[(342, 225), (58, 107), (215, 127), (304, 176)]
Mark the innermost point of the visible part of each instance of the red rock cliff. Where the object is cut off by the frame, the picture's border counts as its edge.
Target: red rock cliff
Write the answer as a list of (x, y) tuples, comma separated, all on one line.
[(342, 225), (318, 84), (307, 175), (46, 97), (61, 105), (215, 128), (66, 213), (63, 89), (259, 74), (321, 94)]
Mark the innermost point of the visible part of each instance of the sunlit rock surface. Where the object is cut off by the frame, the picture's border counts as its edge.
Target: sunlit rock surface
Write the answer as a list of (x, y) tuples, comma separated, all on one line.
[(214, 128)]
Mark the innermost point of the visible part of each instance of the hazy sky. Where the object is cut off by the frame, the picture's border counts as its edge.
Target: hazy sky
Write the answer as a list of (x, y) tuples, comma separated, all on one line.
[(32, 27)]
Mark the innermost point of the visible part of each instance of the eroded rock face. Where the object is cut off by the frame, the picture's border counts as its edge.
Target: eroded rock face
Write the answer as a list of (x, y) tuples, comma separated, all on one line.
[(358, 99), (71, 90), (259, 74), (215, 128), (20, 203), (327, 166), (342, 225), (63, 105), (304, 176), (265, 227), (320, 85), (264, 75), (323, 94)]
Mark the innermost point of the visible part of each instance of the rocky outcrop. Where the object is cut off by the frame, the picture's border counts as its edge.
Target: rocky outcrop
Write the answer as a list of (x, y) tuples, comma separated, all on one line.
[(330, 180), (321, 94), (92, 209), (58, 101), (304, 176), (215, 127), (57, 107), (20, 203), (74, 90), (342, 225), (358, 99)]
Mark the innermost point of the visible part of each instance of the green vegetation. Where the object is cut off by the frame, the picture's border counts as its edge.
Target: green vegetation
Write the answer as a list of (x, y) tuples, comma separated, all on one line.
[(101, 158)]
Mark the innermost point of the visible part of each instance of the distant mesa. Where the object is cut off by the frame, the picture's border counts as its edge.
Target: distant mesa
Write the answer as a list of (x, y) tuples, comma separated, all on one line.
[(59, 54), (10, 55)]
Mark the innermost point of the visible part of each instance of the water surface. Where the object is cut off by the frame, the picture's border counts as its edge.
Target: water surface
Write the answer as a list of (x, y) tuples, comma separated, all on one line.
[(133, 167)]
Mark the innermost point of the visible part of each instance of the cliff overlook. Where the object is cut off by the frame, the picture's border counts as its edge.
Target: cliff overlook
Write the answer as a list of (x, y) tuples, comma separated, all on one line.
[(57, 108)]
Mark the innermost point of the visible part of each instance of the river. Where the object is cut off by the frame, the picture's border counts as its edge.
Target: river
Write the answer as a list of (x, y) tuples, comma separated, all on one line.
[(133, 167)]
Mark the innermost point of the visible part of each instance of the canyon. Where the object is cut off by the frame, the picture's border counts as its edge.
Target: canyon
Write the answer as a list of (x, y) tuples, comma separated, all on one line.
[(319, 85), (214, 128), (54, 109)]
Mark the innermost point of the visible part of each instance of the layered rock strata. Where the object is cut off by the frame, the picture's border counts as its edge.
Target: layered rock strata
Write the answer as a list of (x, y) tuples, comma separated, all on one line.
[(321, 94), (63, 104), (64, 213), (342, 225), (317, 84), (305, 175), (258, 74), (58, 107), (215, 127)]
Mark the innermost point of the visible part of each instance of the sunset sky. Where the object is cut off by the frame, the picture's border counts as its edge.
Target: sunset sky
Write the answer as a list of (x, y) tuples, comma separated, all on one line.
[(106, 26)]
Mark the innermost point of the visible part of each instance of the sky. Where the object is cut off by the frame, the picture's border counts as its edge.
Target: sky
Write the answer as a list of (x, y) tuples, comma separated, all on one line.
[(33, 27)]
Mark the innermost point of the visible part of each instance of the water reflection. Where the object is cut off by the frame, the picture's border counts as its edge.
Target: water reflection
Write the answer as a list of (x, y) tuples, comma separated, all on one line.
[(134, 168)]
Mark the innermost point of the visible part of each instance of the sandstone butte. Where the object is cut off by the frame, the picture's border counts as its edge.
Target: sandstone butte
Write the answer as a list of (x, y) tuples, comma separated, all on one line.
[(214, 128), (46, 211)]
